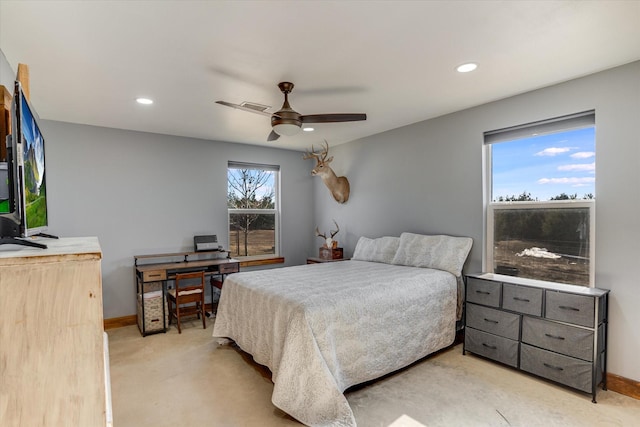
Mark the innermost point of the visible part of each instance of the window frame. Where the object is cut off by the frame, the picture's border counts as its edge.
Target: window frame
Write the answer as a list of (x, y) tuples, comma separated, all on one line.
[(276, 211), (558, 124)]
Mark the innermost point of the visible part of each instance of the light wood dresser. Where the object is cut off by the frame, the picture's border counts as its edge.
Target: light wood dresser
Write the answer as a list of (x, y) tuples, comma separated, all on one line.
[(52, 348)]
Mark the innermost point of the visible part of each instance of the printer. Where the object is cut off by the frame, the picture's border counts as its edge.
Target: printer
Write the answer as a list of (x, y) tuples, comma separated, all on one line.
[(206, 243)]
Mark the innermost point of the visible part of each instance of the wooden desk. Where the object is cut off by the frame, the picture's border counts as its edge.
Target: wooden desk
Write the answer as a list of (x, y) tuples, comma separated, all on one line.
[(153, 271)]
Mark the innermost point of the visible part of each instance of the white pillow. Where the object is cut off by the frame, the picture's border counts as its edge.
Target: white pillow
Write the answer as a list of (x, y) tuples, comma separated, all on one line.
[(382, 249), (440, 252)]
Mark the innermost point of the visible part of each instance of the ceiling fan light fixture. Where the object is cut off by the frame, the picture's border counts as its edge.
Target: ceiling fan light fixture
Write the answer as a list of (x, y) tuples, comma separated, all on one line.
[(286, 129), (308, 129)]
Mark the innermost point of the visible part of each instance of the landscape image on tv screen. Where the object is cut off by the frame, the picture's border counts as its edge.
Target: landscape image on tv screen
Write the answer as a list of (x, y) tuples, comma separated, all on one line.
[(35, 191)]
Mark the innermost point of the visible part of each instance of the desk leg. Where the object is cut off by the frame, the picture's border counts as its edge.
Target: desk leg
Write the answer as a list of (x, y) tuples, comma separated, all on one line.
[(165, 303), (211, 313)]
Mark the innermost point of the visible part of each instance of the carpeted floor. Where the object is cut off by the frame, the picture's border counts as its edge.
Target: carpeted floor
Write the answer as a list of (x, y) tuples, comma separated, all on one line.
[(188, 380)]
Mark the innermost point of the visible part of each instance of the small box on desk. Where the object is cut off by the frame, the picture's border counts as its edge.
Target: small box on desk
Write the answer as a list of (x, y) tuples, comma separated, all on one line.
[(335, 253)]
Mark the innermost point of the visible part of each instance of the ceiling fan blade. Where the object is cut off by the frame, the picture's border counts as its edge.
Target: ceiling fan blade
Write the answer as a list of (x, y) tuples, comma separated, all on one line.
[(273, 136), (332, 118), (246, 106)]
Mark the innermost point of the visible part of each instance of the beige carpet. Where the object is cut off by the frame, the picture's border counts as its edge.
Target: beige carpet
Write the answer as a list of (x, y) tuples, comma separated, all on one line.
[(187, 380)]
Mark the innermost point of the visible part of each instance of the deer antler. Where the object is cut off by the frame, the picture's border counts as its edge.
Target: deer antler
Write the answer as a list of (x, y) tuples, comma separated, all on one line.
[(320, 157), (325, 151), (310, 154), (328, 241), (324, 236), (333, 233)]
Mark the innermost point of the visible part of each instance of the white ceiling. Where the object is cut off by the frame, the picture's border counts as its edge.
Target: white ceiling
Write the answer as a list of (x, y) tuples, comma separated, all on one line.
[(393, 60)]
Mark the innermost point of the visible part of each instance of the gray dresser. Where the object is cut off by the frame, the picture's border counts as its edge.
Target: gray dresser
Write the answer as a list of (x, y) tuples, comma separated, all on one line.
[(555, 331)]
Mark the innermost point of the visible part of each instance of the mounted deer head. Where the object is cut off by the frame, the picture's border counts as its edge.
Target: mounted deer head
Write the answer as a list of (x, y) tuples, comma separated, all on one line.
[(328, 241), (338, 185)]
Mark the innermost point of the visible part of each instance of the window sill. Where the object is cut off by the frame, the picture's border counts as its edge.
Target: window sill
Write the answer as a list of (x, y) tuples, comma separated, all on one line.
[(263, 261)]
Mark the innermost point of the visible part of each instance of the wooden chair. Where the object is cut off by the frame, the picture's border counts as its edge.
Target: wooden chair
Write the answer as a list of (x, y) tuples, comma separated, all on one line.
[(187, 299)]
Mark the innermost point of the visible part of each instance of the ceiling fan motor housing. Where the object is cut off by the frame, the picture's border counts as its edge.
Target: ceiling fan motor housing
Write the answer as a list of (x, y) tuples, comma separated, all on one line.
[(286, 117), (286, 121)]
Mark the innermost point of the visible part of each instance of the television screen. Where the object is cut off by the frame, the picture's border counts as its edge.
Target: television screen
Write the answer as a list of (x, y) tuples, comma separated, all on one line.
[(32, 162)]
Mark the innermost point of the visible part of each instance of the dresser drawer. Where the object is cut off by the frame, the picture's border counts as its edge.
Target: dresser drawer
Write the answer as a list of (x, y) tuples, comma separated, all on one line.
[(522, 299), (563, 369), (154, 275), (569, 340), (483, 291), (232, 267), (493, 321), (492, 346), (570, 308)]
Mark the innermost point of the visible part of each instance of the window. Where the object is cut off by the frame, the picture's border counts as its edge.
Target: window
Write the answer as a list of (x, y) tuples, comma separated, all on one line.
[(540, 198), (253, 205)]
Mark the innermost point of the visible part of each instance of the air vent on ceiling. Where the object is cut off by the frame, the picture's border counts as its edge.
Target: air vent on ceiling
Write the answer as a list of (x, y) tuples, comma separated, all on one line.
[(254, 106)]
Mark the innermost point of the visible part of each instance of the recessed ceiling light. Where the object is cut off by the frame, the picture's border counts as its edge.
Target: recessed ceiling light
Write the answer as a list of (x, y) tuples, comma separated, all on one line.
[(144, 101), (308, 129), (465, 68)]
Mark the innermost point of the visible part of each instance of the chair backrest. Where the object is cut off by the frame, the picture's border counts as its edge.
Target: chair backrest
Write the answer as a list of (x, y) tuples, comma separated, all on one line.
[(190, 284)]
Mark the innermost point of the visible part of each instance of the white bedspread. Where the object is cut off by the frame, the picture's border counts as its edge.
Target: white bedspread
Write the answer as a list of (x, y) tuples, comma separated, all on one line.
[(322, 328)]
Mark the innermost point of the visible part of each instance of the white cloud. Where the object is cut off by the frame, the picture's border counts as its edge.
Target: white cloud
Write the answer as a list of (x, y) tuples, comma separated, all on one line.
[(583, 154), (553, 151), (571, 181), (586, 167)]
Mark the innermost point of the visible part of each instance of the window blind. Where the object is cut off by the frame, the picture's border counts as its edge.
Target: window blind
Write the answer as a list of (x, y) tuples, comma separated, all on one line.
[(243, 165), (558, 124)]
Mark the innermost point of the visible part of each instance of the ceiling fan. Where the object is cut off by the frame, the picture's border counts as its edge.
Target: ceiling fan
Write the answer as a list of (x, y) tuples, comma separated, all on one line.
[(287, 121)]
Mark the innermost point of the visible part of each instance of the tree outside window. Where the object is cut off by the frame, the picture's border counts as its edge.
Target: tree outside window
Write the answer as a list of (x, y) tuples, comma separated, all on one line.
[(252, 202)]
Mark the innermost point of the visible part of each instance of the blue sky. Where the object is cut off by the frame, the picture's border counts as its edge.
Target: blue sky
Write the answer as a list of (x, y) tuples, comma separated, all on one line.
[(545, 165)]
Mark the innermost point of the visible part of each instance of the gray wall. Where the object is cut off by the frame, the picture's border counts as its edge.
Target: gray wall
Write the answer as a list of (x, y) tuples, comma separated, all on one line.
[(7, 75), (427, 177), (144, 193)]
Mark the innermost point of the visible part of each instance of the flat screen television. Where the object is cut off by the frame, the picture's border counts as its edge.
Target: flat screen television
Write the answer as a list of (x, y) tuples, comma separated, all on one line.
[(31, 162), (27, 188)]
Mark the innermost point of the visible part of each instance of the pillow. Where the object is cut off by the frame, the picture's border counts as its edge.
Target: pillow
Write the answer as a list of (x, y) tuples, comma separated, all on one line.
[(382, 249), (440, 252)]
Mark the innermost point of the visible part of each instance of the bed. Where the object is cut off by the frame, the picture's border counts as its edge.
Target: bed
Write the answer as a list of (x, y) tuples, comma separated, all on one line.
[(321, 328)]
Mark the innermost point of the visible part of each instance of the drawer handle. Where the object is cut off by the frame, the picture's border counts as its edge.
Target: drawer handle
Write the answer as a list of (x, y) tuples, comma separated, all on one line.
[(492, 347), (557, 368), (566, 307), (491, 321), (154, 275), (483, 292), (555, 337), (521, 299)]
